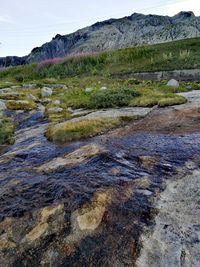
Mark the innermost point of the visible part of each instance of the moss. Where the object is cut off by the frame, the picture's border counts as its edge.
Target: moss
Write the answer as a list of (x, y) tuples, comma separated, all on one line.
[(176, 100), (68, 131), (6, 131), (21, 105)]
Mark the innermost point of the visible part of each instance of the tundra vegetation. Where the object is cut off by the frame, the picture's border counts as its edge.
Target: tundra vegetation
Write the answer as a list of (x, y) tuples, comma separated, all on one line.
[(108, 79)]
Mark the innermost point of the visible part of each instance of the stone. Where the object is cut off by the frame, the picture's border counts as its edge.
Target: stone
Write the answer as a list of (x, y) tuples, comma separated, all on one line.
[(46, 92), (83, 154), (2, 105), (148, 162), (29, 86), (103, 88), (56, 102), (88, 90), (173, 83), (55, 109), (189, 87)]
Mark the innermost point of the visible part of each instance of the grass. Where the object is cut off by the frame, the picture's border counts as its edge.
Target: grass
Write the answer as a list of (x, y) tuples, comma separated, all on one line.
[(6, 131), (57, 113), (21, 105), (183, 54), (161, 99), (71, 131)]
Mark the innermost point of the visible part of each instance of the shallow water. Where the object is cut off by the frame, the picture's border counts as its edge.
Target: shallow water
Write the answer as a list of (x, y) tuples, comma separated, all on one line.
[(115, 243)]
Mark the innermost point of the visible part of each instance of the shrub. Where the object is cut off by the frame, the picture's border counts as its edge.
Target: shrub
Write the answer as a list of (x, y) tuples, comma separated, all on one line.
[(112, 98), (184, 54)]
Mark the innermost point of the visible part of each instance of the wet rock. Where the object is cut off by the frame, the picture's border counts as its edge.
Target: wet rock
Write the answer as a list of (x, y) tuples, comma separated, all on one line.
[(148, 162), (46, 92), (173, 83), (88, 218), (76, 157)]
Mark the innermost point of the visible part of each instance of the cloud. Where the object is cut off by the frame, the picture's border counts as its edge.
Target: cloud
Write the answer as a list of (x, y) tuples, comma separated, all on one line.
[(6, 19)]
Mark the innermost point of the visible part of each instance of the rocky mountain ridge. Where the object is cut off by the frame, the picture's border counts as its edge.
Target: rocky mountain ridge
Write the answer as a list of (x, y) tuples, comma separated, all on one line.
[(134, 30)]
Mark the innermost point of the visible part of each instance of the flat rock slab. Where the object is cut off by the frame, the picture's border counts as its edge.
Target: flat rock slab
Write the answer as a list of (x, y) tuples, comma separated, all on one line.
[(175, 241), (192, 95), (114, 113)]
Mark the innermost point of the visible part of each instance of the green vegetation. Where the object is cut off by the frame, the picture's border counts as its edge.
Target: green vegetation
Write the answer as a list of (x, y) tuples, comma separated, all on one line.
[(184, 54), (112, 98), (160, 99), (21, 105), (68, 131), (6, 130)]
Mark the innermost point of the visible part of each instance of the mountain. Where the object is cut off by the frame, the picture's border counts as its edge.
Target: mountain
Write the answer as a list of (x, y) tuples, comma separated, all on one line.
[(130, 31)]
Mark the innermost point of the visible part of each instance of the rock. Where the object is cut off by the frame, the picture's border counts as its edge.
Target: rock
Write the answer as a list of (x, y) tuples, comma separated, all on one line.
[(81, 155), (173, 83), (103, 88), (174, 240), (56, 102), (189, 87), (88, 90), (2, 105), (114, 171), (29, 86), (46, 92), (88, 218), (54, 86), (148, 162), (114, 113), (55, 109)]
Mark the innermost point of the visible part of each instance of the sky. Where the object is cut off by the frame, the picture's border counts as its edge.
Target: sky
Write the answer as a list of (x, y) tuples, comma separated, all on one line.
[(25, 24)]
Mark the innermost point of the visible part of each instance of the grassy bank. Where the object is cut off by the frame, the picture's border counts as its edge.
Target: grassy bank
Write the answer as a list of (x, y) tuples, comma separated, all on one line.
[(184, 54)]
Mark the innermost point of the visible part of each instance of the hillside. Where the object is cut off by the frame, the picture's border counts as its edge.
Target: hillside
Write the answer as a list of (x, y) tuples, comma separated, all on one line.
[(134, 30), (183, 54)]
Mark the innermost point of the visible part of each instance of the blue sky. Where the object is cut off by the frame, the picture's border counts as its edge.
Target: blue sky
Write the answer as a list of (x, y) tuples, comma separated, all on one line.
[(25, 24)]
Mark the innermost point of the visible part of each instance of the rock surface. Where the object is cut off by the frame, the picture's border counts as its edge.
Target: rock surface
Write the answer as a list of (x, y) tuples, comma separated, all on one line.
[(173, 83), (78, 156), (175, 240), (46, 92)]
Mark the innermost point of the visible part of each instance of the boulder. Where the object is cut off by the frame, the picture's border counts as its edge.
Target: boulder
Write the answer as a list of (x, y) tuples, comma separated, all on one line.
[(2, 105), (56, 102), (46, 92), (29, 86), (88, 90), (173, 83), (103, 88)]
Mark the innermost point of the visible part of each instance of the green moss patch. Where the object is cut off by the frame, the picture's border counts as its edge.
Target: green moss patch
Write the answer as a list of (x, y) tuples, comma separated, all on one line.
[(6, 131)]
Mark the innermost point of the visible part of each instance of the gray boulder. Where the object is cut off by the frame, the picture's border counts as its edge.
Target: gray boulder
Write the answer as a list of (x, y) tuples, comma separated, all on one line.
[(2, 105), (173, 83), (46, 92), (88, 90)]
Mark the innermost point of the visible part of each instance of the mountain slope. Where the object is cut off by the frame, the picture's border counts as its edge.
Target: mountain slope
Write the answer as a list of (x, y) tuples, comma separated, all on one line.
[(129, 31)]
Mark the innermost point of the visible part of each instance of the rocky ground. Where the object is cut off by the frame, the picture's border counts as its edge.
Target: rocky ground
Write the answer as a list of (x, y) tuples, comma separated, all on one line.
[(126, 198)]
